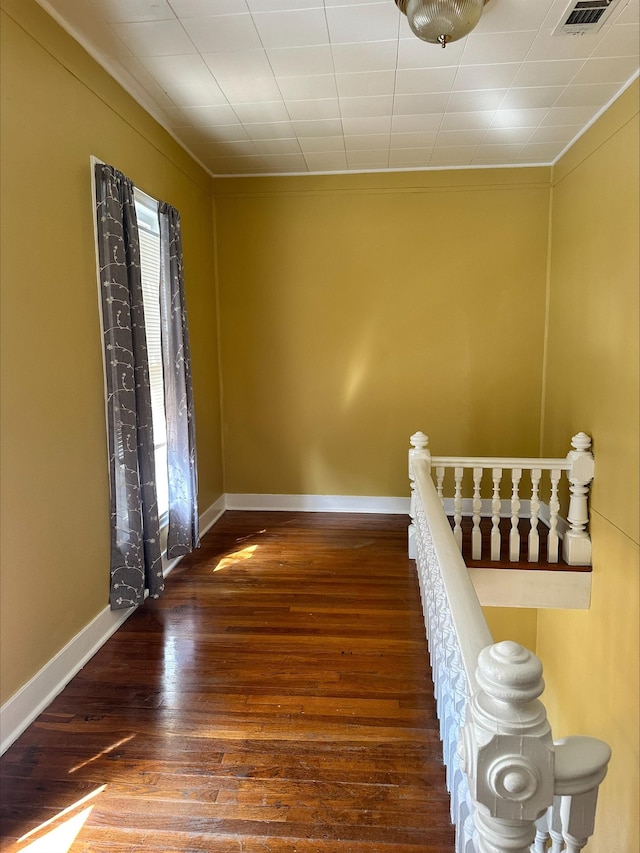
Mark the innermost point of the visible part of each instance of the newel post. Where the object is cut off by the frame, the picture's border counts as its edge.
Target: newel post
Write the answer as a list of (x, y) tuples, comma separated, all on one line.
[(581, 765), (419, 447), (507, 749), (576, 544)]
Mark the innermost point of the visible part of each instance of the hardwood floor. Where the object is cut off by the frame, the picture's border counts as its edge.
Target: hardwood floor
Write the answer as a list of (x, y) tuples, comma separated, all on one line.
[(278, 698)]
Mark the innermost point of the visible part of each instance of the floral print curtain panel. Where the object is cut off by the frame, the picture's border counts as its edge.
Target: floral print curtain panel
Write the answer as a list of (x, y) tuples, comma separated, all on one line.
[(183, 533), (136, 561)]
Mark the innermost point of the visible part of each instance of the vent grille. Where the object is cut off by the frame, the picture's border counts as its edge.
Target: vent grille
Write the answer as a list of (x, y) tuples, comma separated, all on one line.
[(585, 16)]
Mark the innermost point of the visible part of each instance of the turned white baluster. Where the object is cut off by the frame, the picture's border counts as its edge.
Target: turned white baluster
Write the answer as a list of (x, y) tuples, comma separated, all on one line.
[(476, 535), (534, 536), (507, 750), (514, 535), (576, 545), (496, 507), (555, 827), (581, 765), (439, 482), (457, 506), (542, 833), (554, 509), (419, 443)]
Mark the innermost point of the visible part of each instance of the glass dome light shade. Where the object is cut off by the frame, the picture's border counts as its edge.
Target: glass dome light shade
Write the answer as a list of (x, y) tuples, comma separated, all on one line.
[(442, 21)]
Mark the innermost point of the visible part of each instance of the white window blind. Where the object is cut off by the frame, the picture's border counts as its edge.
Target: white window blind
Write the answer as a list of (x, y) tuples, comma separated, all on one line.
[(149, 234)]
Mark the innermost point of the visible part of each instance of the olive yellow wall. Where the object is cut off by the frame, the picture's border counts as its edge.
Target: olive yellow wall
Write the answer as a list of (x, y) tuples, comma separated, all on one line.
[(58, 108), (357, 309), (591, 657)]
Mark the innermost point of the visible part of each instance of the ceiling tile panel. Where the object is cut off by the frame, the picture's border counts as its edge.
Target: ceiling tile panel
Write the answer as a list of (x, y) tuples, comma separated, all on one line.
[(246, 91), (418, 104), (422, 81), (330, 162), (292, 29), (196, 94), (481, 99), (357, 23), (155, 38), (206, 8), (238, 65), (587, 95), (365, 56), (308, 87), (490, 48), (547, 73), (127, 11), (222, 33), (522, 99), (366, 84), (327, 108), (270, 130), (176, 70), (261, 112), (619, 41), (301, 61), (426, 139), (367, 142), (362, 107), (471, 77), (322, 144), (416, 123)]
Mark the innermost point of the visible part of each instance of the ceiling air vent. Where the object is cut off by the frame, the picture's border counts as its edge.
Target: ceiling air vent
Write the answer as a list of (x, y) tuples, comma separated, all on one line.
[(585, 16)]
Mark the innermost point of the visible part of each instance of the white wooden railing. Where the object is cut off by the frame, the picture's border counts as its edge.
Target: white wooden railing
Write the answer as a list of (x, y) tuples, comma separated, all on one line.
[(512, 788), (543, 476)]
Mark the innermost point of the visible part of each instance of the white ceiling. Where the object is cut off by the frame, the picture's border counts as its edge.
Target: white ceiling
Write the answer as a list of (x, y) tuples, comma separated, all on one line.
[(298, 86)]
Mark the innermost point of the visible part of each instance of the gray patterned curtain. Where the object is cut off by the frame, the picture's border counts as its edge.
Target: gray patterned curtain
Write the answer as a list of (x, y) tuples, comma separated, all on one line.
[(136, 562), (183, 533)]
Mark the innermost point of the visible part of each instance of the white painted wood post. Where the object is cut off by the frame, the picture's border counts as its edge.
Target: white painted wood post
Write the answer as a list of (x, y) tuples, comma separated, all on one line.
[(534, 536), (496, 505), (419, 446), (514, 534), (576, 544), (581, 765), (554, 509), (507, 749), (458, 473), (476, 535)]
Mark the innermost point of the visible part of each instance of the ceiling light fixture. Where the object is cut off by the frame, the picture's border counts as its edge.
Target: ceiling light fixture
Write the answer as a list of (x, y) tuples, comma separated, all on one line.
[(441, 21)]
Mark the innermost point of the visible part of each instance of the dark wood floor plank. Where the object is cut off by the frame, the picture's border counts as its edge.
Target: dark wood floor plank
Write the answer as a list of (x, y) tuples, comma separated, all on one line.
[(277, 698)]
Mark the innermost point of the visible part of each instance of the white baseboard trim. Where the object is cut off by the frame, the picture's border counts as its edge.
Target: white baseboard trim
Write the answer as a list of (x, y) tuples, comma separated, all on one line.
[(212, 514), (318, 503), (34, 696)]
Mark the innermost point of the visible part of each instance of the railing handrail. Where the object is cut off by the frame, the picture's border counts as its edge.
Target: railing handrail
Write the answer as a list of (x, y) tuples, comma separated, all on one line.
[(508, 462), (466, 612)]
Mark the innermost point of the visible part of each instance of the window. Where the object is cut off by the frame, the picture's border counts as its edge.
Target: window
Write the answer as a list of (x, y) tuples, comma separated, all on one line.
[(149, 235)]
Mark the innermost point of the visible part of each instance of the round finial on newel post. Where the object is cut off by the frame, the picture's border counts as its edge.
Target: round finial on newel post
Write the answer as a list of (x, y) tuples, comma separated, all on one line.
[(419, 441), (510, 673), (581, 442)]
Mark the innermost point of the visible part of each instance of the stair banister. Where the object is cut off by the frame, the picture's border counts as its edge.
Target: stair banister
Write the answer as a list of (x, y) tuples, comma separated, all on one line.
[(511, 787)]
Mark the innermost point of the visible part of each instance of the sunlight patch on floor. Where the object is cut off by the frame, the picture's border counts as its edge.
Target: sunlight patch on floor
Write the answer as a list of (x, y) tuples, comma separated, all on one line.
[(61, 836), (236, 557), (105, 751)]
